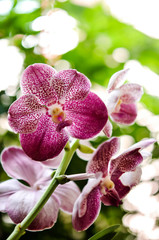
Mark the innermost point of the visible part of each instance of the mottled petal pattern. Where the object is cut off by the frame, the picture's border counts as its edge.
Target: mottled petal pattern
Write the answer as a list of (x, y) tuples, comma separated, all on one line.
[(88, 116), (45, 142), (70, 85), (126, 115), (20, 204), (37, 80), (102, 156), (111, 198), (91, 205), (54, 162), (24, 114)]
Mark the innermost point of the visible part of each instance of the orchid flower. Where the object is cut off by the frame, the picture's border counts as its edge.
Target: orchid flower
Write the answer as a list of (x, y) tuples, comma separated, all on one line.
[(114, 179), (53, 106), (18, 199), (121, 100)]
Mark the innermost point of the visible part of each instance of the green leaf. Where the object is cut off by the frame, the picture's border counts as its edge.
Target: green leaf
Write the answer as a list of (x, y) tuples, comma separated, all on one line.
[(108, 232), (151, 103)]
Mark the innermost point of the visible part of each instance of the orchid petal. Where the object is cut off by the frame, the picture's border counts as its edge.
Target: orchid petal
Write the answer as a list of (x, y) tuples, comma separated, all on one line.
[(111, 198), (108, 129), (129, 160), (112, 100), (126, 115), (144, 143), (102, 156), (25, 113), (127, 180), (124, 163), (36, 80), (87, 206), (117, 79), (130, 93), (88, 116), (131, 178), (8, 188), (70, 85), (18, 165), (67, 195), (45, 142), (54, 162), (20, 204)]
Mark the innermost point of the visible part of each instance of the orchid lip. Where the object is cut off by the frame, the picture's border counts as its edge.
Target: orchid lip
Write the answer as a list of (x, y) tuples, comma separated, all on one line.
[(117, 107), (106, 182), (56, 113)]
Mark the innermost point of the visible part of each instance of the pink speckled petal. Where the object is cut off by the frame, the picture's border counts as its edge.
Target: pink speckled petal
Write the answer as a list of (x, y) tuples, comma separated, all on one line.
[(124, 163), (25, 113), (37, 80), (117, 79), (67, 194), (102, 156), (45, 142), (54, 162), (87, 206), (71, 85), (108, 129), (88, 116), (18, 165), (130, 93), (20, 204), (129, 160), (126, 115), (111, 198), (8, 188)]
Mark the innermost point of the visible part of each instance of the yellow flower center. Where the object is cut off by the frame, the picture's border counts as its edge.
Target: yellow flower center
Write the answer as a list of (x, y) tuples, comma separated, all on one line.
[(117, 107), (106, 183), (57, 113)]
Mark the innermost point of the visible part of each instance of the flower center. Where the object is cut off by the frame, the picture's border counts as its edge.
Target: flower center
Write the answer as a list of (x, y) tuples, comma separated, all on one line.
[(57, 114), (117, 107), (106, 183)]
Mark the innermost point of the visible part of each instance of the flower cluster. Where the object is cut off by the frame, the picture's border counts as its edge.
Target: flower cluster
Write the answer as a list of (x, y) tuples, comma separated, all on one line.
[(55, 106)]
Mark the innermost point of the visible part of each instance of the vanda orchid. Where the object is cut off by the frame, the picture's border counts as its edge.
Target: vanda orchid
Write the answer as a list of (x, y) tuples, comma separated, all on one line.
[(121, 100), (53, 106), (18, 199), (114, 179)]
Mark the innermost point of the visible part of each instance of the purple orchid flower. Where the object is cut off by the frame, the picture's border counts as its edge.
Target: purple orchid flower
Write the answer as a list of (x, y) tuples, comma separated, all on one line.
[(114, 179), (121, 100), (18, 199), (53, 106)]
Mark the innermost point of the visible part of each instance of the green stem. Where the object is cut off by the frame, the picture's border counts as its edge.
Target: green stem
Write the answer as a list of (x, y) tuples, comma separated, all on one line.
[(20, 228)]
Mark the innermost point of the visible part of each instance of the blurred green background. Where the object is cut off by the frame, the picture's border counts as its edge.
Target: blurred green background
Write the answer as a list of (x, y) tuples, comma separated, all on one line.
[(98, 39)]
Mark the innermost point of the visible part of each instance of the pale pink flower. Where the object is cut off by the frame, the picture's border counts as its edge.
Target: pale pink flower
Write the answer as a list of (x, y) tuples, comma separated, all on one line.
[(121, 100), (53, 106), (114, 179), (18, 199)]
